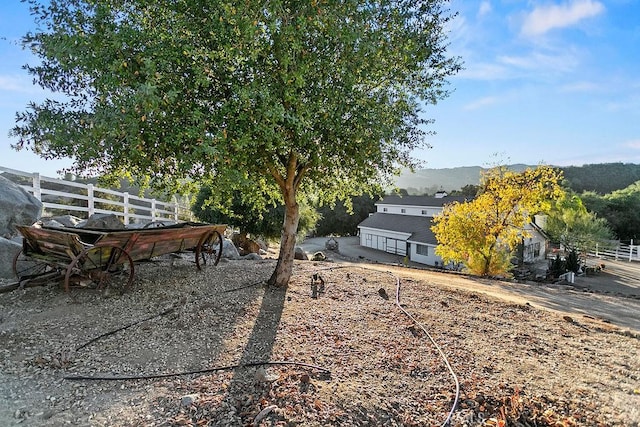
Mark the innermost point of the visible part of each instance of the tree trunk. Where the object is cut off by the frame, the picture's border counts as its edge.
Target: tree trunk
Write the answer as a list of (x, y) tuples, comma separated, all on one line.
[(284, 267)]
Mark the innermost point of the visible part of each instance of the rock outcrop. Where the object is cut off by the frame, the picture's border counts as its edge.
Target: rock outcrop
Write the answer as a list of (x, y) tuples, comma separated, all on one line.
[(17, 207)]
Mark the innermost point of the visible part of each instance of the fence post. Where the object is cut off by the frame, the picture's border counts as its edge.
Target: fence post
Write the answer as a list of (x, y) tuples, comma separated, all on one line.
[(125, 199), (37, 190), (90, 201), (153, 210), (631, 250), (174, 200)]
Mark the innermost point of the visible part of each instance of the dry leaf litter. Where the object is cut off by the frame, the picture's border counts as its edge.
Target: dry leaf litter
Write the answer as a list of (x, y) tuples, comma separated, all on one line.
[(187, 348)]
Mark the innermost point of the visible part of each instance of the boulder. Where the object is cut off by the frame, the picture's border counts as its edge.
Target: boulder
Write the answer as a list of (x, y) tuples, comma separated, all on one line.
[(245, 244), (332, 244), (229, 251), (319, 256), (61, 220), (17, 207), (102, 221), (300, 254), (8, 251)]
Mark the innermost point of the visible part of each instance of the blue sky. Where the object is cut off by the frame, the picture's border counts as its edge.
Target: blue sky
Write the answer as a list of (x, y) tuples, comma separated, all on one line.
[(554, 82)]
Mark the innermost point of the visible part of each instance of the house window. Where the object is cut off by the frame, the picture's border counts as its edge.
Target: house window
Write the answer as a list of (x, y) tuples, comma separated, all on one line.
[(384, 209), (536, 249), (403, 211), (422, 250), (425, 212)]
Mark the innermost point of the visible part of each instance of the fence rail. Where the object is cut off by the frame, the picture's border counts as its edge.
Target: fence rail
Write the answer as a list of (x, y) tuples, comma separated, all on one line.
[(617, 250), (60, 197)]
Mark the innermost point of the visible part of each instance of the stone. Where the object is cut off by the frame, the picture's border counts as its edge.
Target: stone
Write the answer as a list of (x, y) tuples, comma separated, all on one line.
[(245, 244), (331, 244), (17, 207), (318, 256), (61, 220), (8, 251), (189, 399), (229, 250), (252, 257), (300, 254), (102, 221), (266, 375)]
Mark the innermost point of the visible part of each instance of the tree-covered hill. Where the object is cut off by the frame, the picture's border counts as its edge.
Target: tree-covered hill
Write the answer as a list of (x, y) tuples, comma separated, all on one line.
[(600, 178)]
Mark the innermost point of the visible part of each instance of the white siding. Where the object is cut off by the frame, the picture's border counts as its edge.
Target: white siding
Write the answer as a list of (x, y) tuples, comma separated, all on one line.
[(409, 210), (430, 259), (384, 240)]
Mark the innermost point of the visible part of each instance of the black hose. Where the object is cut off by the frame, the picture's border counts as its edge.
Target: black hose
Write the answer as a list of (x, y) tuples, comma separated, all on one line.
[(106, 334), (198, 372), (165, 312)]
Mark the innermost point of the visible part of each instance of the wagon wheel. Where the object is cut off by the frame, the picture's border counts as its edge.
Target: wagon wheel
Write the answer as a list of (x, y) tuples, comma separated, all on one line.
[(29, 268), (209, 250), (155, 224), (101, 267)]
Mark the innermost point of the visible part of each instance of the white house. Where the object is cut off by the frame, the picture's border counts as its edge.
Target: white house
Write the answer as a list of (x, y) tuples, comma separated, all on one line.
[(402, 225)]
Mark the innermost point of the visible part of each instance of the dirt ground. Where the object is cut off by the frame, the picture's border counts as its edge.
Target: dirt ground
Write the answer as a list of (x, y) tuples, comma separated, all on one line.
[(217, 348), (611, 295)]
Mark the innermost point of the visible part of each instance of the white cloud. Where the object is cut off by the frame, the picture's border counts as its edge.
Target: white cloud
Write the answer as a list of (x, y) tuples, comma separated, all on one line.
[(484, 9), (14, 83), (546, 18), (581, 87), (482, 102), (555, 62), (634, 144)]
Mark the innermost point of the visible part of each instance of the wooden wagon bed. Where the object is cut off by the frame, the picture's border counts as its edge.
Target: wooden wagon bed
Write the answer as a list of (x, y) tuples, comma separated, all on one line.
[(105, 258)]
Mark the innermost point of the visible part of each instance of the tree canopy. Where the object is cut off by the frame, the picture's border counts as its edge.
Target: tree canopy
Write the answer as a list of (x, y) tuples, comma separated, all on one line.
[(619, 208), (247, 217), (276, 98), (570, 224), (483, 232)]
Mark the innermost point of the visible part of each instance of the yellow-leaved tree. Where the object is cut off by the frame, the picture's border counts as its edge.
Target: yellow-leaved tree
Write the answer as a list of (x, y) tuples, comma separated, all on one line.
[(482, 233)]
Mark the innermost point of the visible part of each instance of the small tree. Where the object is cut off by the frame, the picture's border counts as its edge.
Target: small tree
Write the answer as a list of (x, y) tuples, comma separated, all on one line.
[(483, 232), (571, 225)]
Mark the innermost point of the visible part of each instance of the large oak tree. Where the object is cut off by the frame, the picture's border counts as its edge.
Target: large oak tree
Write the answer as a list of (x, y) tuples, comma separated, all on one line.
[(273, 97)]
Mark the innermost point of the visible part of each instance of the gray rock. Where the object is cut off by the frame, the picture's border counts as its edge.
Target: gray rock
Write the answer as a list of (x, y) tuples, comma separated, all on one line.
[(300, 254), (189, 399), (17, 207), (53, 223), (252, 257), (63, 220), (103, 221), (229, 250), (319, 256), (8, 250)]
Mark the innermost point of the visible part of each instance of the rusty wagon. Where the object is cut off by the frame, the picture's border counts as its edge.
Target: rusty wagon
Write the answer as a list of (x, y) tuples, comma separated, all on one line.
[(105, 259)]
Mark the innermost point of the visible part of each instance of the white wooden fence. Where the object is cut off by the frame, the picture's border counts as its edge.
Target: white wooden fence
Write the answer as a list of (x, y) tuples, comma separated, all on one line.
[(617, 250), (83, 200)]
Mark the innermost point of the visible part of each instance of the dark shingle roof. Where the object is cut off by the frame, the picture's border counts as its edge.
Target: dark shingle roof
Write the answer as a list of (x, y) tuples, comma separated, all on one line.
[(418, 226), (420, 200)]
